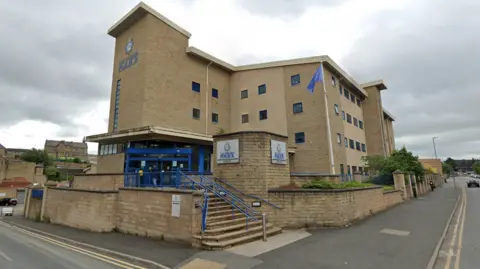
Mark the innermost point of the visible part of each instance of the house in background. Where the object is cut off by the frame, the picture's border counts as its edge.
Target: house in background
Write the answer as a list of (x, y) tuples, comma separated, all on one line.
[(15, 153), (435, 165), (66, 149)]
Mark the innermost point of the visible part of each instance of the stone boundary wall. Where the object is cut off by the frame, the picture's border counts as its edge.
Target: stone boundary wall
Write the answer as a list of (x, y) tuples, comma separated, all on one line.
[(112, 181), (299, 179), (330, 208), (138, 211)]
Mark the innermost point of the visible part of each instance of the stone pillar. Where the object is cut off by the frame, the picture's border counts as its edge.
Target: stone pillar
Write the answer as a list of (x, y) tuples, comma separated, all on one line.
[(399, 181), (257, 168), (44, 200), (415, 186), (357, 176), (28, 196)]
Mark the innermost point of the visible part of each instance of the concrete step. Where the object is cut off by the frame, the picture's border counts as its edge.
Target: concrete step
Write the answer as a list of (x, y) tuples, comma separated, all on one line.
[(227, 211), (224, 223), (225, 216), (216, 245), (218, 207), (234, 234), (233, 227)]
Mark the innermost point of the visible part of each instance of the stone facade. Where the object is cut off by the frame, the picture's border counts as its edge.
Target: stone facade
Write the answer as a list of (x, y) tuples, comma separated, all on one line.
[(111, 163), (255, 173), (63, 148), (98, 181)]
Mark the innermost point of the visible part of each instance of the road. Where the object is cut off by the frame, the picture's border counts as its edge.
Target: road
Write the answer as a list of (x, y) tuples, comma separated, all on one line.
[(462, 242), (20, 249)]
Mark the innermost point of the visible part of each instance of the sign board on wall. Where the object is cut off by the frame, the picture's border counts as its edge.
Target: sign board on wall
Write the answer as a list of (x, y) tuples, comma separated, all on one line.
[(2, 194), (279, 152), (176, 205), (227, 151)]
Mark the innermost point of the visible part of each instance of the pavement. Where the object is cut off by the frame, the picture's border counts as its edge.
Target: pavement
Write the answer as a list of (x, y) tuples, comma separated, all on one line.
[(19, 250), (462, 242), (405, 236)]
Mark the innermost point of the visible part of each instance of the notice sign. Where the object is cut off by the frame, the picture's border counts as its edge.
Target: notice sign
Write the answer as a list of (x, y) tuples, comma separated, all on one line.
[(176, 205), (2, 194), (279, 152), (227, 151)]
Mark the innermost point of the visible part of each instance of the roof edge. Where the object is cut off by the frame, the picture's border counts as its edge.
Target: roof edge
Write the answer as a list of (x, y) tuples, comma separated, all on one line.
[(388, 114), (135, 14), (380, 84)]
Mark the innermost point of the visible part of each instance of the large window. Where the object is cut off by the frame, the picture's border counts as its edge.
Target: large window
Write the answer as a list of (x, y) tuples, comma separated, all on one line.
[(117, 105), (300, 138), (110, 149)]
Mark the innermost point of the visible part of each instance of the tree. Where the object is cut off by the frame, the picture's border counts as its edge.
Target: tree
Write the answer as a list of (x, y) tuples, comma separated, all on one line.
[(451, 162), (446, 169), (401, 159), (476, 168), (37, 156)]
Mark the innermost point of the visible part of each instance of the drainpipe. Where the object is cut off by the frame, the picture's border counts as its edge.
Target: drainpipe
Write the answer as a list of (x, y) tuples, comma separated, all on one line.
[(332, 160), (206, 101)]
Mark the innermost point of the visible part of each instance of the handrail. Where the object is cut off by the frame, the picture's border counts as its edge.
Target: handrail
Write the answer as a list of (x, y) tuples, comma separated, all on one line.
[(233, 196), (211, 189), (246, 194)]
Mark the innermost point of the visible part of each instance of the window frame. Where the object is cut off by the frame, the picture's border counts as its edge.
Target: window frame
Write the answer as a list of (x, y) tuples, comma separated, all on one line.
[(351, 143), (260, 114), (242, 94), (194, 84), (299, 104), (295, 80), (243, 117), (215, 114), (364, 147), (193, 113), (262, 89), (214, 93), (345, 141), (339, 138), (336, 109), (334, 81), (299, 135), (352, 98), (349, 118), (360, 124), (355, 122), (357, 146), (346, 93)]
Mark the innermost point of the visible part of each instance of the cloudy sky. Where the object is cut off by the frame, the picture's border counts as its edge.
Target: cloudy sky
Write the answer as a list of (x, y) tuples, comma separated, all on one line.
[(56, 59)]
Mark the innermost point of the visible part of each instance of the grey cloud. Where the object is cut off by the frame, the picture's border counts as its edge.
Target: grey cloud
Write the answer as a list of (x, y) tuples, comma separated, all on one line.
[(56, 61), (429, 59), (285, 8)]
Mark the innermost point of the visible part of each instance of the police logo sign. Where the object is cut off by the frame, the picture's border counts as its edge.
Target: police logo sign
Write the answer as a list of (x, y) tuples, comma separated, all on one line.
[(279, 152), (227, 151), (132, 58)]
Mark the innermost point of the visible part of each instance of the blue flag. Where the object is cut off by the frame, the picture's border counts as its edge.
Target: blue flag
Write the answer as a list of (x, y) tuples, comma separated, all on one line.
[(318, 77)]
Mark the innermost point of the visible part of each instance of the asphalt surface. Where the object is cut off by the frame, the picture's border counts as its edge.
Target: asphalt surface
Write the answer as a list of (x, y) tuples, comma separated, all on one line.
[(470, 258), (19, 250), (363, 246)]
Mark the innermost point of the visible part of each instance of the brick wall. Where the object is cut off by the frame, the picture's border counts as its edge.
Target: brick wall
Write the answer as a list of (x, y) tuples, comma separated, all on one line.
[(20, 169), (255, 173), (84, 209), (111, 163), (98, 181), (310, 208), (148, 212)]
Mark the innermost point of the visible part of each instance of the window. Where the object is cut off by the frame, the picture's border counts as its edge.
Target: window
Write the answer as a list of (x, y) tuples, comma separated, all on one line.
[(364, 148), (262, 89), (215, 117), (360, 169), (244, 94), (360, 124), (348, 169), (263, 115), (355, 122), (342, 169), (346, 142), (354, 169), (335, 108), (352, 98), (117, 106), (244, 118), (297, 108), (334, 81), (343, 115), (357, 146), (214, 93), (359, 103), (352, 143), (299, 138), (340, 89), (196, 113), (295, 79), (349, 118), (346, 93), (339, 138), (195, 86)]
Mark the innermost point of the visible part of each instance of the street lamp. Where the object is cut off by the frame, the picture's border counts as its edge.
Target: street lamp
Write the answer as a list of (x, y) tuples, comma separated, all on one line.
[(434, 148)]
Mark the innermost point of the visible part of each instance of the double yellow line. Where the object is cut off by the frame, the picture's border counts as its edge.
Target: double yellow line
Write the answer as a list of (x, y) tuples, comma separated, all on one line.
[(107, 259), (458, 230)]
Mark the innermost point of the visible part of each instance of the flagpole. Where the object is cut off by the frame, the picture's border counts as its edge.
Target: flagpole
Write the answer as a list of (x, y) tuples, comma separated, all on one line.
[(332, 161)]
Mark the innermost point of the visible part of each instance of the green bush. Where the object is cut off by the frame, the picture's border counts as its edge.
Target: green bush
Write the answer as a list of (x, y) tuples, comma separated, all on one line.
[(388, 188), (323, 184)]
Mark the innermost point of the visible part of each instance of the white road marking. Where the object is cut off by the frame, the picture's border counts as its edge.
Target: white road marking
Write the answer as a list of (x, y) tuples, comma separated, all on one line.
[(395, 232), (3, 255)]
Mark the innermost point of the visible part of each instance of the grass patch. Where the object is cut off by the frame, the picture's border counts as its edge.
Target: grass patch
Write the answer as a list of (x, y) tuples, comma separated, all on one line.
[(388, 188), (323, 184)]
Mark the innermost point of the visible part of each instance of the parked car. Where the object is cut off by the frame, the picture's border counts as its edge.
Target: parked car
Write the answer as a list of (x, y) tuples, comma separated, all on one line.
[(8, 202), (472, 183), (6, 211)]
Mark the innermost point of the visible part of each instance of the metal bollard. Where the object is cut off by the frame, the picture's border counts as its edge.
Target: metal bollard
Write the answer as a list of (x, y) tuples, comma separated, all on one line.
[(264, 226)]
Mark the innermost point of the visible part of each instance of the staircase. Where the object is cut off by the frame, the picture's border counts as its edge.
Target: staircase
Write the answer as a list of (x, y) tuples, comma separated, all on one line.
[(227, 219)]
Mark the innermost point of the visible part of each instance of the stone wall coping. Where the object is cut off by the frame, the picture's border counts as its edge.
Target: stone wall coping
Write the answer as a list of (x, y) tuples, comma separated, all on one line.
[(306, 174), (83, 190), (248, 132), (387, 192), (325, 190), (100, 174), (170, 190)]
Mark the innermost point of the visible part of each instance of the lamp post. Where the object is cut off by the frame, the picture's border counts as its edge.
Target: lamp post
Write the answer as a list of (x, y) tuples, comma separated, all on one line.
[(434, 148)]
